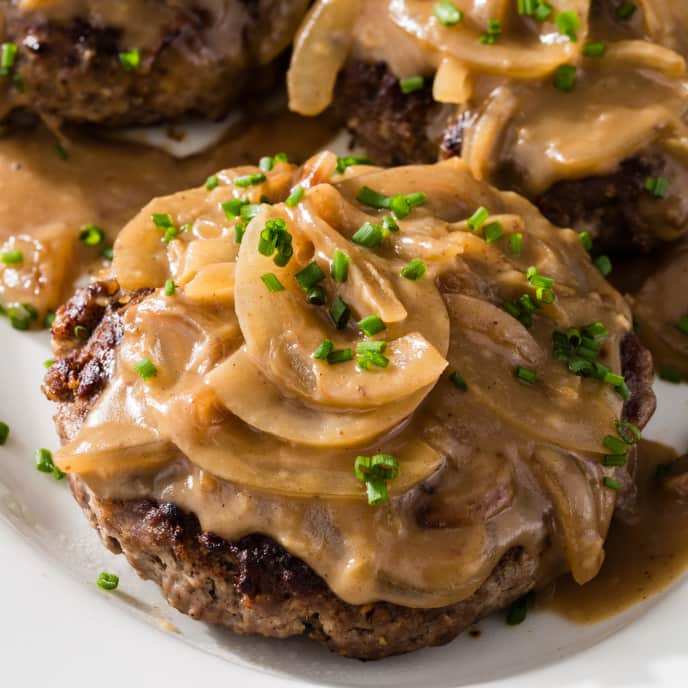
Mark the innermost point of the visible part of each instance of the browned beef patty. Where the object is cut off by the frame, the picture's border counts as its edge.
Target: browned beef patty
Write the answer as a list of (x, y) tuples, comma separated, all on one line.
[(254, 585), (400, 129), (70, 66)]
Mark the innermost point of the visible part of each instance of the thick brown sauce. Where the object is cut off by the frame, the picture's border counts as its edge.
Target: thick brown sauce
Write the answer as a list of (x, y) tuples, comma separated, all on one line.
[(48, 199), (642, 558)]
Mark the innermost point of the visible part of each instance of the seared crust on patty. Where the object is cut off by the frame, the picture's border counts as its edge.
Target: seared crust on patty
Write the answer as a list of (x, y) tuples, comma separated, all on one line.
[(71, 68), (254, 585)]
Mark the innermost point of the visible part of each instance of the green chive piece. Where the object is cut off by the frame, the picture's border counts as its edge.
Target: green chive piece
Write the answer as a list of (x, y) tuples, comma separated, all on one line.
[(275, 239), (376, 471), (371, 325), (340, 356), (565, 78), (316, 296), (340, 313), (477, 220), (604, 265), (628, 432), (516, 243), (146, 369), (107, 253), (614, 444), (611, 484), (373, 199), (91, 235), (130, 60), (613, 460), (271, 281), (518, 611), (212, 182), (594, 49), (414, 270), (411, 84), (493, 232), (4, 433), (340, 266), (169, 287), (81, 332), (309, 276), (586, 240), (107, 581), (626, 10), (657, 186), (670, 374), (372, 358), (390, 224), (295, 197), (568, 23), (239, 231), (682, 325), (458, 381), (324, 350), (369, 235), (543, 11), (266, 163), (375, 346), (12, 257), (250, 210), (48, 363), (494, 30), (447, 13), (534, 8), (162, 220), (350, 160), (21, 315), (526, 375), (8, 56), (538, 280), (233, 207), (45, 463), (247, 180)]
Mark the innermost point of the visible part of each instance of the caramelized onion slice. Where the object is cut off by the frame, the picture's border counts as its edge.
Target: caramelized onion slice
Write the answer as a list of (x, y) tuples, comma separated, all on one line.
[(250, 396)]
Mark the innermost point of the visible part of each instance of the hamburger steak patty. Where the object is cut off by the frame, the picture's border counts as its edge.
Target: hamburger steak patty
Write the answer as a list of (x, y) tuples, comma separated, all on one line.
[(192, 62), (399, 129), (254, 585)]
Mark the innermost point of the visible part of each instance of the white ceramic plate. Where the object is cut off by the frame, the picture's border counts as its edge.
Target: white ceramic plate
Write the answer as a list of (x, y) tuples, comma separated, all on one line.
[(57, 628)]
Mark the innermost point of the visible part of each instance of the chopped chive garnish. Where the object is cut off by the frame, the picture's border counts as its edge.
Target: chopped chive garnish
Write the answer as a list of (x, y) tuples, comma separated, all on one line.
[(375, 346), (682, 325), (21, 315), (376, 471), (309, 276), (250, 210), (400, 204), (239, 231), (493, 232), (340, 356), (162, 220), (12, 257), (477, 220), (494, 30), (146, 369), (614, 444), (447, 13), (295, 197), (340, 266), (107, 253), (4, 433), (247, 180), (371, 325), (340, 313), (316, 296), (8, 56), (594, 49), (350, 160), (604, 265), (266, 163), (372, 358), (535, 8), (458, 381), (212, 182), (81, 332), (611, 484), (130, 60), (516, 243), (670, 374), (373, 199), (45, 463), (626, 10), (565, 78), (526, 375), (612, 460), (107, 581), (628, 432), (390, 224), (657, 186), (91, 235), (586, 240), (369, 235), (233, 207), (48, 363), (411, 84), (271, 281), (543, 11), (169, 287), (275, 239), (413, 270), (324, 350), (568, 23), (519, 610)]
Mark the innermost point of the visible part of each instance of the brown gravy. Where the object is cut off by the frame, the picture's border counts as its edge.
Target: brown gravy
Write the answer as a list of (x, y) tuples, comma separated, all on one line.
[(45, 199), (642, 558)]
